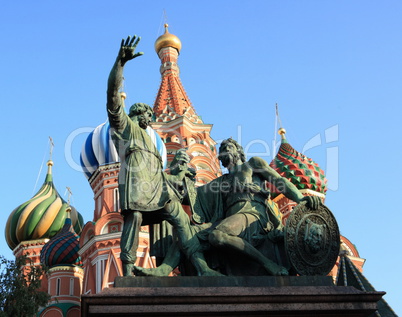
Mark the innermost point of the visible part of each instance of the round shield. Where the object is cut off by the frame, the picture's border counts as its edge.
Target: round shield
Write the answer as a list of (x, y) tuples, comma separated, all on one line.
[(312, 240)]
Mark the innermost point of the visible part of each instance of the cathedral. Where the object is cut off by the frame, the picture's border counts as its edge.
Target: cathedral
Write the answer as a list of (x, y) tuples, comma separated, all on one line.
[(84, 257)]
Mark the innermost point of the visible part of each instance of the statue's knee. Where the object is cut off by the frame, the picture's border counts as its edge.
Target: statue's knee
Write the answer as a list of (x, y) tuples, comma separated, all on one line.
[(137, 218), (217, 238)]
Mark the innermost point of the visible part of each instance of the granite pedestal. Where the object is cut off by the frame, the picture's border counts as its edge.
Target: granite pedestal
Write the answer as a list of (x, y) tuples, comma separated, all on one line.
[(229, 296)]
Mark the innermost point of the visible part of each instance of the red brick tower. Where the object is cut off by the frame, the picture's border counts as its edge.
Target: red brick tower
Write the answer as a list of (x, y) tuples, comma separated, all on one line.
[(100, 238), (179, 126), (176, 119)]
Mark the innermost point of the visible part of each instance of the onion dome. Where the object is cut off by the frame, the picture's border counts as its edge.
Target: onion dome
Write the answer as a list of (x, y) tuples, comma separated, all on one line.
[(167, 40), (99, 149), (302, 171), (63, 248), (40, 217)]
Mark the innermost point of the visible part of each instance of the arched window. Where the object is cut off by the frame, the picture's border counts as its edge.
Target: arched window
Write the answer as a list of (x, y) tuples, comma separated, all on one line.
[(112, 226), (71, 286), (99, 203), (58, 282), (100, 272), (116, 199)]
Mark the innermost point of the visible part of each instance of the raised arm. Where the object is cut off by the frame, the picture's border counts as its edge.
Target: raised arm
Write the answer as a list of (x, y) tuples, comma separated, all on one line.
[(115, 81), (267, 173)]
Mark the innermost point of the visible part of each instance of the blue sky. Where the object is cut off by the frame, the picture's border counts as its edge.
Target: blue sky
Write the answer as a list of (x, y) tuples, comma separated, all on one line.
[(333, 67)]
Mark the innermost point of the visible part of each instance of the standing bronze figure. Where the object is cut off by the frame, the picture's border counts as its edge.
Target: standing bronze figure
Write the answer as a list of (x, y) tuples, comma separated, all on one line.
[(147, 194)]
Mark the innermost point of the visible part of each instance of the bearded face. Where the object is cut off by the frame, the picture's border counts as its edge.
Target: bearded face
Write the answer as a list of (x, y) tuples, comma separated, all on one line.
[(228, 155), (144, 119)]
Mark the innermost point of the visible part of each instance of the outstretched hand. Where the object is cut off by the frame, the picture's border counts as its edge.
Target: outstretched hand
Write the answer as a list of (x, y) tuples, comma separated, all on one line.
[(181, 157), (127, 49), (179, 161), (179, 164)]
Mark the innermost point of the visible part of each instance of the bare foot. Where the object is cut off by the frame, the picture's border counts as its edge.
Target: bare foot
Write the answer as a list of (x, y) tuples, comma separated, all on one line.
[(282, 272), (162, 270), (276, 270), (210, 272)]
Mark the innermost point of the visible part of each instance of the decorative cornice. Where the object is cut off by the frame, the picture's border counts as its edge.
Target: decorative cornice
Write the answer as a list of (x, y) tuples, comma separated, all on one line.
[(75, 269), (99, 238), (30, 244), (309, 192), (103, 168), (182, 122)]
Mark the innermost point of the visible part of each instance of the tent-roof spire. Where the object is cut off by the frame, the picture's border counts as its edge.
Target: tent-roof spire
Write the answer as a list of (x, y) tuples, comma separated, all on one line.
[(172, 100)]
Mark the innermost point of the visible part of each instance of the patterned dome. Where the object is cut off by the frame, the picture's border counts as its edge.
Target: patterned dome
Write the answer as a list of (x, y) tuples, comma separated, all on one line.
[(99, 149), (40, 217), (302, 171), (63, 248)]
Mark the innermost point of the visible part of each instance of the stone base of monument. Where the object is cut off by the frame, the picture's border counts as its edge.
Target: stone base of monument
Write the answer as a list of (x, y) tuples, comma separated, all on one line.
[(229, 296)]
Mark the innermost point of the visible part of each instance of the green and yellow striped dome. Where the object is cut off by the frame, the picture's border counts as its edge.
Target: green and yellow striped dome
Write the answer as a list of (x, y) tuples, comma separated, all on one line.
[(40, 217)]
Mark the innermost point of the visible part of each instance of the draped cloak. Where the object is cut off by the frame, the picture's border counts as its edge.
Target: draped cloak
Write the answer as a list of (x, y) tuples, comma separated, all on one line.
[(143, 186), (210, 208)]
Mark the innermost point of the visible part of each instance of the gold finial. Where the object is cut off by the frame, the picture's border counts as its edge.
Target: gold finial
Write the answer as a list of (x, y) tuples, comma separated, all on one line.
[(68, 211), (282, 133), (123, 95), (49, 171), (167, 40)]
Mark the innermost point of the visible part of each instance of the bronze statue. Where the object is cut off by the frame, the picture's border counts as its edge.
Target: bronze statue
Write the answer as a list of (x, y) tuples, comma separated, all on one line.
[(147, 194), (234, 212), (247, 218)]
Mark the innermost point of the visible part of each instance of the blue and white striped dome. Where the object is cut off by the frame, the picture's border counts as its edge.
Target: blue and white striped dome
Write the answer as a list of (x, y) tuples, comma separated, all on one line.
[(99, 149)]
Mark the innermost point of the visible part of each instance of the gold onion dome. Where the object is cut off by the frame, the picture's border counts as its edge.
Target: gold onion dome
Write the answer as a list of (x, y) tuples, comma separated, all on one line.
[(167, 40), (40, 217)]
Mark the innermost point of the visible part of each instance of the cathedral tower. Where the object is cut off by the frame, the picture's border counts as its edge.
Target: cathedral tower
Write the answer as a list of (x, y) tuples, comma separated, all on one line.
[(176, 119)]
